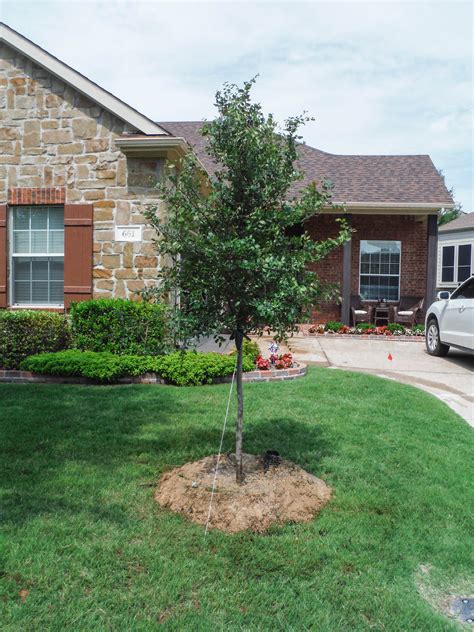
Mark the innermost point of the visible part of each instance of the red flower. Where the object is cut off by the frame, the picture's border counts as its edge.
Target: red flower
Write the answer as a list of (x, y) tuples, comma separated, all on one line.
[(262, 364)]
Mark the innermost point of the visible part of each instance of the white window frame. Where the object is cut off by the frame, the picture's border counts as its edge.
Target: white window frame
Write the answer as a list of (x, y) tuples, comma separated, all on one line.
[(399, 275), (456, 243), (12, 255)]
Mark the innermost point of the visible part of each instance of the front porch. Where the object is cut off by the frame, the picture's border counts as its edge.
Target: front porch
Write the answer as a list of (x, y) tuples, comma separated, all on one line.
[(390, 260)]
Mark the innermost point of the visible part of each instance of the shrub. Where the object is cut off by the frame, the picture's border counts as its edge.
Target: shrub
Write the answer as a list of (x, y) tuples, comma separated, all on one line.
[(119, 326), (333, 325), (23, 333), (250, 348), (187, 368), (102, 367), (181, 368), (418, 329), (395, 327)]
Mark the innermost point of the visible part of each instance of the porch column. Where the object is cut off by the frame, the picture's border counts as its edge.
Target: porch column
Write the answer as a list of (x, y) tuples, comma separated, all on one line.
[(432, 259), (346, 277)]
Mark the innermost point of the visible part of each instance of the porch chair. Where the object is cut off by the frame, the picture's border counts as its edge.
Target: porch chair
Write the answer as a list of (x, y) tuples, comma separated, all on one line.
[(360, 312), (405, 313)]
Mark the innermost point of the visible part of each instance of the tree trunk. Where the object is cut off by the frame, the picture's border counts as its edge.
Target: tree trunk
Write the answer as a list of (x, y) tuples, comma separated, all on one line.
[(239, 475)]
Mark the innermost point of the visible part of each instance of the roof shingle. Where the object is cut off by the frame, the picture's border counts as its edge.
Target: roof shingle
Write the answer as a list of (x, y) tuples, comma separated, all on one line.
[(411, 179), (463, 222)]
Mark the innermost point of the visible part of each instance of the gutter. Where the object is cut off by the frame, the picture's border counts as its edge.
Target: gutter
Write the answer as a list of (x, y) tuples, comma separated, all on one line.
[(390, 208)]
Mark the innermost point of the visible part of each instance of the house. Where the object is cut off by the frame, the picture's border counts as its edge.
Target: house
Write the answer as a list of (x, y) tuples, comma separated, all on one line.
[(78, 166), (456, 251)]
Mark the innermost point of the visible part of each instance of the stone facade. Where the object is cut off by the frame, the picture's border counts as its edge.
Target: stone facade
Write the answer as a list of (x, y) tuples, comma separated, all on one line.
[(53, 136)]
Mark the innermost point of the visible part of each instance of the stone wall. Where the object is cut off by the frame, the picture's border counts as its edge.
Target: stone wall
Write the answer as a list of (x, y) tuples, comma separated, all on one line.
[(53, 136)]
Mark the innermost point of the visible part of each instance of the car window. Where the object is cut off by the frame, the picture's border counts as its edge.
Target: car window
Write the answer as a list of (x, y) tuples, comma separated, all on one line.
[(465, 291)]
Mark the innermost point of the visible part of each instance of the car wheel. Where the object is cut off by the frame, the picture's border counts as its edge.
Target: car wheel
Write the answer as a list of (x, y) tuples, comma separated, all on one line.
[(434, 346)]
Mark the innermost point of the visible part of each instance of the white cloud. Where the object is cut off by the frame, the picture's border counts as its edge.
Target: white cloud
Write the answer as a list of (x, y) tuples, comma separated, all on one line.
[(385, 77)]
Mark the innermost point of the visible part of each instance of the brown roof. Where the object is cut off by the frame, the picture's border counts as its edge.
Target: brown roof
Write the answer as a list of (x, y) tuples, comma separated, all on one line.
[(463, 222), (356, 179)]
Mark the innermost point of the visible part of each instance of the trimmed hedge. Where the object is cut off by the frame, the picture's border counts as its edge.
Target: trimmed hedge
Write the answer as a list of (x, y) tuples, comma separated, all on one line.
[(180, 368), (188, 368), (119, 326), (27, 332)]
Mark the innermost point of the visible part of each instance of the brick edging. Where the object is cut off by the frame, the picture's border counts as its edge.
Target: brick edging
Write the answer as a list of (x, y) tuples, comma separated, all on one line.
[(272, 375), (25, 377)]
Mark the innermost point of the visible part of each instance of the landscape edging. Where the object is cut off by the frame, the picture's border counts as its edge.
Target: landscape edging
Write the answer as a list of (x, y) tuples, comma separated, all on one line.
[(26, 377)]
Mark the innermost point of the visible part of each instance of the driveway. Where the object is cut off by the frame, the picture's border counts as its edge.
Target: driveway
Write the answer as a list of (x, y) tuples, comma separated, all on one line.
[(451, 379)]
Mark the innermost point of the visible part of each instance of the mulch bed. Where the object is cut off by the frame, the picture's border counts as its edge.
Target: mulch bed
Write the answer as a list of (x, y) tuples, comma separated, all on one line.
[(271, 495)]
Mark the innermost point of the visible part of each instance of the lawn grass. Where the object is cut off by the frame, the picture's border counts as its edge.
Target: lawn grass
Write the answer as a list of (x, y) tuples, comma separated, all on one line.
[(84, 537)]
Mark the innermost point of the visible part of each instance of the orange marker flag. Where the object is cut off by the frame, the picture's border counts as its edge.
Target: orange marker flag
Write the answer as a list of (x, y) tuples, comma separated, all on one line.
[(390, 357)]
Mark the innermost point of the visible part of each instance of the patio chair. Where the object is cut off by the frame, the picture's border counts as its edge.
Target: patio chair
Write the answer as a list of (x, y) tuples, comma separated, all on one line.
[(406, 312), (360, 312)]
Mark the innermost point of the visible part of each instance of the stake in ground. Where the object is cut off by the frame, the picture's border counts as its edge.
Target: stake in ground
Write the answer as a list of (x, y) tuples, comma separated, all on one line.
[(236, 250)]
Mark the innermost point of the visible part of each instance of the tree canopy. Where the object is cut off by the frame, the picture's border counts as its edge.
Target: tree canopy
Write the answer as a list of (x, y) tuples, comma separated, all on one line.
[(233, 246)]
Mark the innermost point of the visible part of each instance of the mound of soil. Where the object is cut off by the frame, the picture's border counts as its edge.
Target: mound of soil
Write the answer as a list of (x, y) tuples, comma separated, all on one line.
[(274, 495)]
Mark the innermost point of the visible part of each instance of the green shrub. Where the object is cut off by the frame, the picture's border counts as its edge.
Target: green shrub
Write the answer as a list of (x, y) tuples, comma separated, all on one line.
[(119, 326), (101, 367), (393, 327), (333, 325), (181, 368), (419, 329), (186, 368), (23, 333), (250, 348)]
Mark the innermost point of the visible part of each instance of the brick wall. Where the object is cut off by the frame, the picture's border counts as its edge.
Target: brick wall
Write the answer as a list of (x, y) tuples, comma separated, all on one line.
[(328, 269), (411, 230), (52, 137)]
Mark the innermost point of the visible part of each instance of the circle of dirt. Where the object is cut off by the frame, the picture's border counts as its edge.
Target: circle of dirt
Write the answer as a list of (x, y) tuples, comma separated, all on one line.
[(279, 494)]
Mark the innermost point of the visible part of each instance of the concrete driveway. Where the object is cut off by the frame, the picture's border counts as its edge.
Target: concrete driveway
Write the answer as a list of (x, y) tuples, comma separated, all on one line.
[(451, 379)]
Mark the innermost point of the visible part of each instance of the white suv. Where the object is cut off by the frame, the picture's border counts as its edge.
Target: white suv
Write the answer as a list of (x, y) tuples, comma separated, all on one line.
[(450, 320)]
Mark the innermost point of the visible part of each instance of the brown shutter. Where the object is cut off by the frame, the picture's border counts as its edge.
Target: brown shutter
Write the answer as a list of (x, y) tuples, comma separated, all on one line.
[(3, 255), (77, 252)]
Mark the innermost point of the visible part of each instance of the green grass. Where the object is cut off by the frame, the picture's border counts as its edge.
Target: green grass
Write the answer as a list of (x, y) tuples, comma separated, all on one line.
[(84, 537)]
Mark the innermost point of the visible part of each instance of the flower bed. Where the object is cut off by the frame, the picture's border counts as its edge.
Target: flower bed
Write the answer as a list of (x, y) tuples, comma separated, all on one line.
[(364, 330), (179, 368)]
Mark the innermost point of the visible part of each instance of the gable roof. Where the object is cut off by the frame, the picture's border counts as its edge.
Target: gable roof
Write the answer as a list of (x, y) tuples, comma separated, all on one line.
[(78, 81), (463, 222), (359, 181)]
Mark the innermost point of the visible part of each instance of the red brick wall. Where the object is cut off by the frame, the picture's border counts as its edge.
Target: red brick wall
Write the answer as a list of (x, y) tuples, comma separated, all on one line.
[(328, 269), (409, 229)]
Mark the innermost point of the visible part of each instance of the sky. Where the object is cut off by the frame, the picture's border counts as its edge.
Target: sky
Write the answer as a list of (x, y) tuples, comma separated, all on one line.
[(379, 77)]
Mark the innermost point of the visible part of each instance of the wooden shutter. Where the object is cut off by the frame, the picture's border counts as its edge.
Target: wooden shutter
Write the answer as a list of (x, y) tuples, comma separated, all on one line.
[(3, 255), (77, 252)]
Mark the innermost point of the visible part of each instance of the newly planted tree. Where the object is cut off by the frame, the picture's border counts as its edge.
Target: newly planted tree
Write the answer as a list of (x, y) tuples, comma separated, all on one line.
[(234, 250)]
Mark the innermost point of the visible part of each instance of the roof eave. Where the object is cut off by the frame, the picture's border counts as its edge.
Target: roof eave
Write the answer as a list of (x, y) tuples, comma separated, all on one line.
[(171, 147), (389, 208), (82, 84)]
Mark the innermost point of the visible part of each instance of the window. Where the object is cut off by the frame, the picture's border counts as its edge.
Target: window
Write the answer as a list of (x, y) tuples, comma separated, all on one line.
[(37, 255), (380, 270), (456, 263)]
